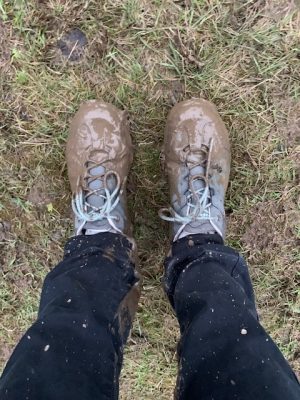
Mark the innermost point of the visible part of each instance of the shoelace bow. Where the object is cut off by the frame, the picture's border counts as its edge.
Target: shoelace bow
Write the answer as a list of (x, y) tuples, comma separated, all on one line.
[(198, 200), (87, 212)]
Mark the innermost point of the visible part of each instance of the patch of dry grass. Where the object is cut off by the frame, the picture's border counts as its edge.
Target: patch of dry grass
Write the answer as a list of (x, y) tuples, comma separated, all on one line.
[(145, 56)]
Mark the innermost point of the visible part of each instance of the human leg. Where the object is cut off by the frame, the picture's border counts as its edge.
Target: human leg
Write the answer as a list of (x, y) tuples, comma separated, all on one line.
[(224, 353), (74, 349)]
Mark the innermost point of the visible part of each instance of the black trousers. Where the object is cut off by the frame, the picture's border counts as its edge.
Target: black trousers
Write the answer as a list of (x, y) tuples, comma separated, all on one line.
[(74, 350)]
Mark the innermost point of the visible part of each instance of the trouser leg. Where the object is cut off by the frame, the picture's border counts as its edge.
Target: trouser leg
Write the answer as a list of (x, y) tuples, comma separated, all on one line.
[(224, 353), (74, 350)]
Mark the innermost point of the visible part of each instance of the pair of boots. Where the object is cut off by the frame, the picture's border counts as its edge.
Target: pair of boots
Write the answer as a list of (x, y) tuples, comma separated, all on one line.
[(197, 161)]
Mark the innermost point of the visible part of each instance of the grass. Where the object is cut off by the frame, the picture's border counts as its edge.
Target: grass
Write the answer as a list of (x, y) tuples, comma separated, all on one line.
[(145, 56)]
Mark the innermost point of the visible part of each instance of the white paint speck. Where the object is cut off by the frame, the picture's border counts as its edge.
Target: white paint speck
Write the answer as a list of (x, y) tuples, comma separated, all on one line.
[(28, 337), (212, 310), (244, 331), (84, 325), (69, 300), (47, 347), (232, 382)]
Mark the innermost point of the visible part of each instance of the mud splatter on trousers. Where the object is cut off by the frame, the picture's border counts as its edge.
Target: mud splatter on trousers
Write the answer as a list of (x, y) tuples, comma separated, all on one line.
[(75, 348)]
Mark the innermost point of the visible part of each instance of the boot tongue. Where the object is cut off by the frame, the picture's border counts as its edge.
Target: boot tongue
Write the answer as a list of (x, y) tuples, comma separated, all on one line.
[(197, 183), (194, 160), (96, 200)]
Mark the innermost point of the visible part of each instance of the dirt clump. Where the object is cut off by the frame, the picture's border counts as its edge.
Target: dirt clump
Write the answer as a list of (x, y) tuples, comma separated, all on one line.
[(74, 47), (5, 228), (39, 194)]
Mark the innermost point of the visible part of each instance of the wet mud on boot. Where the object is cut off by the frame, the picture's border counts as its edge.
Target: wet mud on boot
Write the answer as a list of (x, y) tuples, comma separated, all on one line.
[(197, 162), (99, 155)]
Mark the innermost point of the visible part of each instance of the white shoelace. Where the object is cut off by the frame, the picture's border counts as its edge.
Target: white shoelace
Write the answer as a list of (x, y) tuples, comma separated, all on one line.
[(89, 213), (199, 210)]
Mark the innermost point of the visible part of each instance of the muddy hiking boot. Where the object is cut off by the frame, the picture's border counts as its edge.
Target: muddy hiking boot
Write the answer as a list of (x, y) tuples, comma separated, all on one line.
[(197, 162), (99, 154)]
